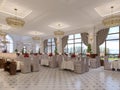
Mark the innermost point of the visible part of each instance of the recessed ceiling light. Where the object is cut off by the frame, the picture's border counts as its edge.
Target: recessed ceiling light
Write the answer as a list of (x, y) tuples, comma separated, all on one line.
[(35, 33), (4, 27), (8, 7), (58, 25), (104, 10)]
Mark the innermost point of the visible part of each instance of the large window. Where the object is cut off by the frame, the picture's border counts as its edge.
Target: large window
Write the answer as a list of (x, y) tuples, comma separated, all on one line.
[(10, 44), (75, 45), (111, 46), (6, 47), (51, 45)]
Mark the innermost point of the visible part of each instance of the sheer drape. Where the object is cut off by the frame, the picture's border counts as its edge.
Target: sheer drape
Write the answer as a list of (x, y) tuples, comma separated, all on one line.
[(100, 38), (64, 42), (84, 37), (45, 45)]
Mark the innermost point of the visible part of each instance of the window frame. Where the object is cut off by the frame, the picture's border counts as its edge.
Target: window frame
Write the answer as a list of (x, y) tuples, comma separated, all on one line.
[(74, 43), (50, 44)]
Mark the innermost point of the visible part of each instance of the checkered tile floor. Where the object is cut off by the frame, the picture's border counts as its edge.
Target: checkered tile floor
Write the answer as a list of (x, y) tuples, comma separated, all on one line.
[(56, 79)]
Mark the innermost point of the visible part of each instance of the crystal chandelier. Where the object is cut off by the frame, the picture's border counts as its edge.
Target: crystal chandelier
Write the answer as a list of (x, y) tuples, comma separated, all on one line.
[(14, 21), (113, 20), (58, 33), (36, 38)]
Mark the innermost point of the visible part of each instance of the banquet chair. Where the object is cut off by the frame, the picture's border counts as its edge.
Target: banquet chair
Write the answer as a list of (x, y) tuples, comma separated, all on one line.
[(59, 60), (67, 64), (25, 65), (39, 57), (118, 65), (45, 60), (86, 65), (35, 63), (79, 66), (98, 61), (52, 61), (107, 64), (93, 62)]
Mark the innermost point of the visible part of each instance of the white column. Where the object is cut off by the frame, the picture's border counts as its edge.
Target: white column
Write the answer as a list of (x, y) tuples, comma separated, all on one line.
[(59, 44), (92, 40)]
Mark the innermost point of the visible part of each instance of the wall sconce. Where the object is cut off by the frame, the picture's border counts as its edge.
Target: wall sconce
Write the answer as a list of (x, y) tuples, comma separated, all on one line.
[(90, 37)]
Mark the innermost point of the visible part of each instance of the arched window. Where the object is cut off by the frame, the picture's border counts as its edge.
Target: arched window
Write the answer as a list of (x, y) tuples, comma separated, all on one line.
[(75, 44), (111, 46), (10, 44)]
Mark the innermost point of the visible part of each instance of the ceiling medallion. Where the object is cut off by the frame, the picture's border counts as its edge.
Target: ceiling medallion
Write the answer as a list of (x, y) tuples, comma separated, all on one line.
[(113, 20), (14, 21)]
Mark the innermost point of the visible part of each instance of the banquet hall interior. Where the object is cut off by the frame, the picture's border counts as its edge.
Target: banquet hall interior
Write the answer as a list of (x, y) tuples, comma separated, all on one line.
[(59, 44)]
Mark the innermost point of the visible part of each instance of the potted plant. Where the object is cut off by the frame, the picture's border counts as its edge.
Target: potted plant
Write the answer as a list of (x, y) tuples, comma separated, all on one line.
[(89, 50), (56, 53)]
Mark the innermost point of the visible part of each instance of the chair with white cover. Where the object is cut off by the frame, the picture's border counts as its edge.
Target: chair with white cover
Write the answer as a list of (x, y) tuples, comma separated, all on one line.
[(79, 65), (119, 65), (86, 64), (59, 60), (45, 60), (93, 63), (18, 60), (52, 61), (25, 65), (35, 63), (67, 64), (39, 58), (98, 61), (115, 65), (107, 64)]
